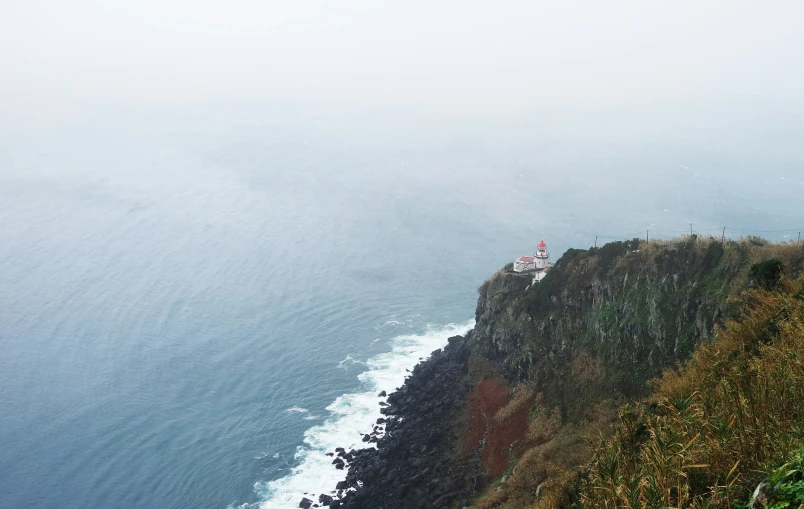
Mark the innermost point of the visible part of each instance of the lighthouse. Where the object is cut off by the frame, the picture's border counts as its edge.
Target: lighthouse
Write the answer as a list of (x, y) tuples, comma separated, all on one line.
[(542, 257), (538, 263)]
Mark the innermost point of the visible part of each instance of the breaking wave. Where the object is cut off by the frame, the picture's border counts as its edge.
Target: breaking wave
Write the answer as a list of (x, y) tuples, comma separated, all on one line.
[(350, 415)]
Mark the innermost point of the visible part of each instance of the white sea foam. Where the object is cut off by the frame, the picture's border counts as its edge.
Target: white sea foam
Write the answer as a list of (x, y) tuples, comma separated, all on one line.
[(348, 361), (350, 415), (297, 410)]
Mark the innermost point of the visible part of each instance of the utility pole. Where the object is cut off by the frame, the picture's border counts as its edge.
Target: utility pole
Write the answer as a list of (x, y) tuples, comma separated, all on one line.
[(799, 235), (647, 236), (690, 229), (723, 237), (799, 239)]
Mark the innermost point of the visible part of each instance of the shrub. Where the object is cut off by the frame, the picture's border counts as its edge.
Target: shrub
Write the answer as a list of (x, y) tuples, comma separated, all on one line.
[(767, 273)]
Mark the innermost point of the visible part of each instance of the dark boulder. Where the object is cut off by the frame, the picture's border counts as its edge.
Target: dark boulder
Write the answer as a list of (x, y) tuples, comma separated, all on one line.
[(415, 465)]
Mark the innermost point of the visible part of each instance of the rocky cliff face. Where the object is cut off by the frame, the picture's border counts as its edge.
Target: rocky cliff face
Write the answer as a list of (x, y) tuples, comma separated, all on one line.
[(418, 462), (597, 328), (633, 309)]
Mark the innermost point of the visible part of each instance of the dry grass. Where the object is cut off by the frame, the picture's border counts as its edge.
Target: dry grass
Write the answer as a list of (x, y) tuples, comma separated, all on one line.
[(552, 449), (545, 424), (754, 249), (521, 398), (715, 425), (544, 471)]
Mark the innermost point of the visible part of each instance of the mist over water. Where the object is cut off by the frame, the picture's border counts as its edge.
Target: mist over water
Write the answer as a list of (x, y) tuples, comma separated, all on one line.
[(194, 306)]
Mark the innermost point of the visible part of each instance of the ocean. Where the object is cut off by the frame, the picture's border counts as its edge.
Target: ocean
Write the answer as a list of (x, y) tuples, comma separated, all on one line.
[(195, 309)]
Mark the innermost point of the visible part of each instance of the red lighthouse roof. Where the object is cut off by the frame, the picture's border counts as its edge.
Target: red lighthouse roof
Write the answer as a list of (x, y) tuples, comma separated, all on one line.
[(542, 244)]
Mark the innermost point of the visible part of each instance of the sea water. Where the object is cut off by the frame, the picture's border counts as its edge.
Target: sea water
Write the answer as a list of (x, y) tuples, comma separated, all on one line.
[(193, 313)]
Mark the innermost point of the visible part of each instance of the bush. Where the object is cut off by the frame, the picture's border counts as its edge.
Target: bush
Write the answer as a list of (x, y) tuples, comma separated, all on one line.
[(768, 273)]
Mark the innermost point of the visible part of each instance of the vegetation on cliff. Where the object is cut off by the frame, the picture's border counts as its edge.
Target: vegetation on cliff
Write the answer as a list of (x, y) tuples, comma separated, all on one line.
[(711, 429), (586, 341)]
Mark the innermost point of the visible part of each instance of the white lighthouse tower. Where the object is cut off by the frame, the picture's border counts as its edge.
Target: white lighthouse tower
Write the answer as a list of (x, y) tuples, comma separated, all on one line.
[(542, 257)]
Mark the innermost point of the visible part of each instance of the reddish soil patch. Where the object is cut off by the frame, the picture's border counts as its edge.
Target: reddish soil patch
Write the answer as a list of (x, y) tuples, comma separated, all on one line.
[(489, 397)]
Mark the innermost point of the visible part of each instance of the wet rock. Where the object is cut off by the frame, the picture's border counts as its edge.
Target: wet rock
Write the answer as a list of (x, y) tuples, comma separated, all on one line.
[(414, 465)]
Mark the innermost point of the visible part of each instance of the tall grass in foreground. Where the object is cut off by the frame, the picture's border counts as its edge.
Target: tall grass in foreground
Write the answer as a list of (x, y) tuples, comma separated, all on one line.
[(713, 428)]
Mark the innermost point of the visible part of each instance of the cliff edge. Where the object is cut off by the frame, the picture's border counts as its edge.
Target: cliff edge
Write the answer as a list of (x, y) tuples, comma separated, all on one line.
[(502, 417)]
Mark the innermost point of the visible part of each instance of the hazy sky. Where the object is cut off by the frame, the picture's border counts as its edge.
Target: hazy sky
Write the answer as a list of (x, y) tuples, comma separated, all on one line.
[(477, 56)]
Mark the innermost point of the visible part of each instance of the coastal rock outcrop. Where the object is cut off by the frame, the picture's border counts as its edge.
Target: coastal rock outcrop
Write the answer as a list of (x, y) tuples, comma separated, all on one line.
[(416, 463)]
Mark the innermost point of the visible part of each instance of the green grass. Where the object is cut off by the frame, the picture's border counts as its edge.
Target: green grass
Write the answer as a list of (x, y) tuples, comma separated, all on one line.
[(783, 488)]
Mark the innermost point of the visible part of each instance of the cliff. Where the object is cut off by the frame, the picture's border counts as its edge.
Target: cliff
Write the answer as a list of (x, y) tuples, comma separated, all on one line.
[(501, 418), (633, 307)]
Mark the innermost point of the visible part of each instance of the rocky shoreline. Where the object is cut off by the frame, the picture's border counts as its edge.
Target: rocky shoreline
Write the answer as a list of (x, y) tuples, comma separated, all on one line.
[(418, 462)]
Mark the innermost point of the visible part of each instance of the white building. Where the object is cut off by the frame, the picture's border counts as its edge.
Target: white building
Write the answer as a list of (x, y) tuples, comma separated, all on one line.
[(524, 263)]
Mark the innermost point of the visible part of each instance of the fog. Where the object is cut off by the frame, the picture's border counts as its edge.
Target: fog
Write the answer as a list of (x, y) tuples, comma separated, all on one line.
[(477, 58), (617, 99)]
